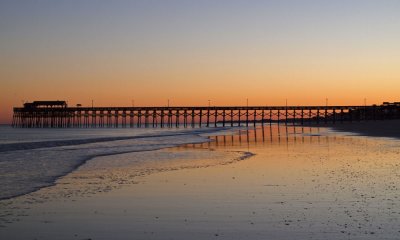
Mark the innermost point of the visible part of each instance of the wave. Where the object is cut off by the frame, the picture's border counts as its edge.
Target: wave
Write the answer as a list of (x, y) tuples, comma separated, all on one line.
[(29, 166), (58, 143)]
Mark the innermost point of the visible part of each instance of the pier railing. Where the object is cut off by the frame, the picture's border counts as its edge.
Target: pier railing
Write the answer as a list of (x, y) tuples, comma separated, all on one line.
[(212, 116)]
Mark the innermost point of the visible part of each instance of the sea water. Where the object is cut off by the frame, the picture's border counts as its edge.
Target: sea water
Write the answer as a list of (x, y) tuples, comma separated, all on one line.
[(31, 159)]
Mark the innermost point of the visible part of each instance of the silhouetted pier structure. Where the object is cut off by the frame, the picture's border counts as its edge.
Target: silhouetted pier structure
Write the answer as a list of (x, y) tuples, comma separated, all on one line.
[(56, 114)]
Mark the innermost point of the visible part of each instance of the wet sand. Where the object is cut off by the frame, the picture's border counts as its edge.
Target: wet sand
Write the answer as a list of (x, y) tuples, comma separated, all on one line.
[(386, 128), (301, 183)]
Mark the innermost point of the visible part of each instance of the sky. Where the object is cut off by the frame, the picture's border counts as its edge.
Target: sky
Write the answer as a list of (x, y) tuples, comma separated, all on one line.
[(116, 52)]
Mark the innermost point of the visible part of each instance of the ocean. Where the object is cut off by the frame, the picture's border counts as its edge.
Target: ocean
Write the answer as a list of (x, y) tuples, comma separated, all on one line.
[(31, 159)]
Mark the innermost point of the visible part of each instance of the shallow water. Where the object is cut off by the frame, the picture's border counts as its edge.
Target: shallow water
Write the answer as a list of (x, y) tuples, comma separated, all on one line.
[(31, 159), (301, 183)]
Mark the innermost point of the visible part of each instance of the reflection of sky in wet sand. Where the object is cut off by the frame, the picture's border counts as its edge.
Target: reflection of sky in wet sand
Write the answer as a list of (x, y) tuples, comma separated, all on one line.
[(303, 183)]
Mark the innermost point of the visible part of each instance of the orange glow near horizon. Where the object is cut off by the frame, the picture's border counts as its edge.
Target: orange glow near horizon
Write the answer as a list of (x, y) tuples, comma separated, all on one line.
[(262, 83)]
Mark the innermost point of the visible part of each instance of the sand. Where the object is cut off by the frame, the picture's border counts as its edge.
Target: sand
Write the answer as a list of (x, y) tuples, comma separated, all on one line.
[(301, 183), (386, 128)]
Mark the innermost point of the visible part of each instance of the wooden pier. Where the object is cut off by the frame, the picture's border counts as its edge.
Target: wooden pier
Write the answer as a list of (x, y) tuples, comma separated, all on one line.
[(56, 114)]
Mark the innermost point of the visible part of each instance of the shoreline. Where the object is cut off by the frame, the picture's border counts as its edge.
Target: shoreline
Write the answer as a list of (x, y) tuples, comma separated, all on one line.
[(382, 128), (136, 146)]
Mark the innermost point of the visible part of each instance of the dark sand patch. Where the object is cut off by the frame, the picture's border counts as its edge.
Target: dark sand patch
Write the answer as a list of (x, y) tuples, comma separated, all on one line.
[(381, 128)]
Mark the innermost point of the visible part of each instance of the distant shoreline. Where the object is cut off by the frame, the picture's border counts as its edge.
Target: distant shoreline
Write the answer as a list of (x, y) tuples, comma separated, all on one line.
[(380, 128)]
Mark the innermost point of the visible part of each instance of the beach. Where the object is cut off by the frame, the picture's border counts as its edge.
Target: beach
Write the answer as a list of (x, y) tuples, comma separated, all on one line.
[(275, 182), (199, 120)]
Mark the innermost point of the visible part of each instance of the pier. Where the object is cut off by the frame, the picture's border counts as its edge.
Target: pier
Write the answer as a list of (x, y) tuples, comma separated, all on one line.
[(57, 114)]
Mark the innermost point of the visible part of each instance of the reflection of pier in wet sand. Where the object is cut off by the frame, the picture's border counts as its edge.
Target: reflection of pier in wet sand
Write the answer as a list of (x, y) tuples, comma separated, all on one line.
[(267, 134)]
